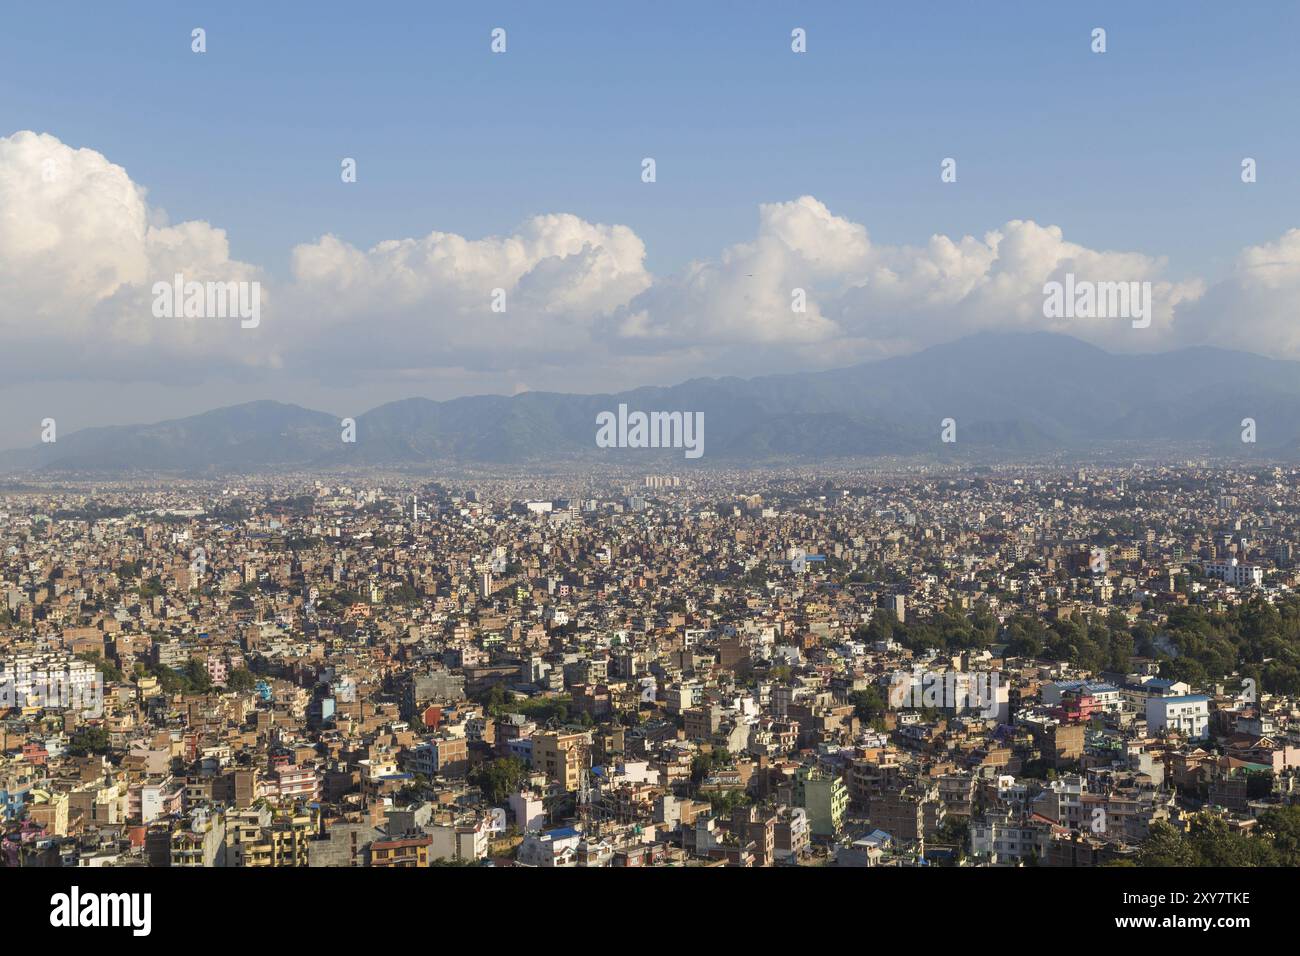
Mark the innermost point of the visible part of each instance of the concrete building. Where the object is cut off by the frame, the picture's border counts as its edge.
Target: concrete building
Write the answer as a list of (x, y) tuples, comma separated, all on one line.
[(1188, 715)]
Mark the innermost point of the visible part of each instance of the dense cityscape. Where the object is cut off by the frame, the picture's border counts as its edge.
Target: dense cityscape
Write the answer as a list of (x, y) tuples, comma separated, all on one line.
[(847, 667)]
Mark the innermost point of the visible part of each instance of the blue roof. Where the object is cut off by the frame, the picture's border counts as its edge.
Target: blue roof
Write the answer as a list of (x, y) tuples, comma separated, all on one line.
[(1091, 685)]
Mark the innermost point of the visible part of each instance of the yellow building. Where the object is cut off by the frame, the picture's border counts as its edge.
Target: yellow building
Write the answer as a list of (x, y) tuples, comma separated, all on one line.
[(257, 837), (560, 757)]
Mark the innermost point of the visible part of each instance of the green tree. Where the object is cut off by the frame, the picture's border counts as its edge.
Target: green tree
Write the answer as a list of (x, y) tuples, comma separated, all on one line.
[(868, 705), (1281, 825), (89, 740), (195, 676), (499, 778), (241, 679), (724, 802)]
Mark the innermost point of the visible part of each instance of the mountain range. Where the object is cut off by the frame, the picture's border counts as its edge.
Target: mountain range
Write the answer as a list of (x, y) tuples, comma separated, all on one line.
[(1011, 396)]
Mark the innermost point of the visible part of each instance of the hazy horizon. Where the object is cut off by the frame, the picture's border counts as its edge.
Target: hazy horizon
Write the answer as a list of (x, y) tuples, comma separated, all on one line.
[(160, 418)]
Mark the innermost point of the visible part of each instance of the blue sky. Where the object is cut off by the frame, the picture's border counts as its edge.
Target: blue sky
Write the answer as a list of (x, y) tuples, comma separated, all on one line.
[(820, 169), (1136, 149)]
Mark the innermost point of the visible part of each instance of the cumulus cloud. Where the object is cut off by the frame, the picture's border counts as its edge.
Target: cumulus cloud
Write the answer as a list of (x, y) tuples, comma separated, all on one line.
[(447, 300), (1253, 309), (867, 298), (949, 288), (748, 295), (81, 248)]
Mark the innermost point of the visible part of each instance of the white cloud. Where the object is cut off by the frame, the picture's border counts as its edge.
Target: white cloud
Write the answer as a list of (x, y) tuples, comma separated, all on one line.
[(1254, 309), (430, 299), (866, 298), (80, 249), (747, 295)]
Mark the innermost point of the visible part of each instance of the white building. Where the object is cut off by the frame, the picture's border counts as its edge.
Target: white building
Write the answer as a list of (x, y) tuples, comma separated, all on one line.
[(51, 680), (1001, 838), (554, 848), (1235, 573), (1188, 715), (528, 812)]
